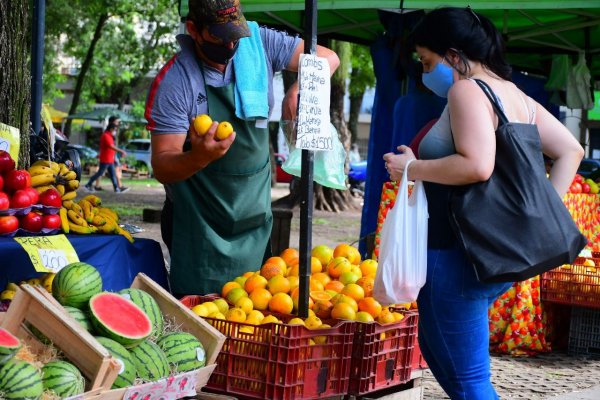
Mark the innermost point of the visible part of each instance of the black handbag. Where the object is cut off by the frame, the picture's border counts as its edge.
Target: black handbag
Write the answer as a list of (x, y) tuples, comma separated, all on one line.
[(514, 226)]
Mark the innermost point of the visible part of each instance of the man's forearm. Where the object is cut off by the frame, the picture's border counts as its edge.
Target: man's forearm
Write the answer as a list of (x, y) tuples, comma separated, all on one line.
[(175, 167)]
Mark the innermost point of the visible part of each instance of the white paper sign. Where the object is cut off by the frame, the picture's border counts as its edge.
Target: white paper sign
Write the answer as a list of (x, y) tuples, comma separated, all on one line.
[(4, 144), (313, 110), (53, 259)]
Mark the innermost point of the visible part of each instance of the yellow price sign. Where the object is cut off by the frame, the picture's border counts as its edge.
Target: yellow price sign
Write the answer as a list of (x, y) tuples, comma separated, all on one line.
[(48, 253), (10, 141)]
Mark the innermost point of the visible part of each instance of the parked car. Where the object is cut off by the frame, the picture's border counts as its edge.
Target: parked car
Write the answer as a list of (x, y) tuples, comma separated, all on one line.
[(589, 168), (87, 155), (141, 150)]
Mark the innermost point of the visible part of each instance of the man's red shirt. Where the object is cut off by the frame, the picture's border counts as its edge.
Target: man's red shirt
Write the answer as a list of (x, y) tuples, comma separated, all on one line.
[(107, 154)]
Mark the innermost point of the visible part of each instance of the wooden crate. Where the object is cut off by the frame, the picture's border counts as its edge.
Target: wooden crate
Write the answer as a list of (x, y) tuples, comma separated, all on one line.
[(211, 339), (41, 310)]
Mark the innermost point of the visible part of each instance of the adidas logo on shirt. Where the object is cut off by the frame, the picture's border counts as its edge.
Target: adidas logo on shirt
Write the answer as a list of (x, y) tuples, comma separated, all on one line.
[(201, 99)]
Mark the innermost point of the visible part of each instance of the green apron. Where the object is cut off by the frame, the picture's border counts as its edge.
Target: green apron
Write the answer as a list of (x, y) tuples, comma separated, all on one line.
[(222, 215)]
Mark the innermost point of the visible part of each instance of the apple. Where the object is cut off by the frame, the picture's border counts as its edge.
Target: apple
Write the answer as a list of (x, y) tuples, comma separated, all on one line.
[(578, 178), (575, 188), (34, 195), (4, 201), (585, 188), (1, 183), (51, 221), (31, 222), (20, 199), (51, 198), (8, 224), (16, 179), (6, 161)]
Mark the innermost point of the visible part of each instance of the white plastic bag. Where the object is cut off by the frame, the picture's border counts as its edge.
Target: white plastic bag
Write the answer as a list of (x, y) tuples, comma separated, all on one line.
[(402, 268)]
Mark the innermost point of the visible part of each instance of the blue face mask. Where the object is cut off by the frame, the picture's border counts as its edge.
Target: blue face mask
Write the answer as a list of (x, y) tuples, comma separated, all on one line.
[(439, 79)]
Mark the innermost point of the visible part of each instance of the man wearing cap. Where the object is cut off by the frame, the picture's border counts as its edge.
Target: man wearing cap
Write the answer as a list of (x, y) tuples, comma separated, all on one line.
[(217, 217)]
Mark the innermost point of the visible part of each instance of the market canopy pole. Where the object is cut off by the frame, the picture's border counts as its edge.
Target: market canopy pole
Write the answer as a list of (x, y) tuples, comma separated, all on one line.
[(306, 180), (37, 62)]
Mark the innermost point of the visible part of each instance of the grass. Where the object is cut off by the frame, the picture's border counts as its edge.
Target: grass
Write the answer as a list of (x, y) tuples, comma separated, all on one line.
[(127, 210), (128, 182)]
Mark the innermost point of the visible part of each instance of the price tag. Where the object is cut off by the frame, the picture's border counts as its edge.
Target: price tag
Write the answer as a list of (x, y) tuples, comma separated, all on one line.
[(48, 253), (313, 109), (10, 140)]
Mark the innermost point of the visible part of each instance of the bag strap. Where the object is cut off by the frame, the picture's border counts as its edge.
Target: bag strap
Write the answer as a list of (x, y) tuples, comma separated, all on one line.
[(494, 100)]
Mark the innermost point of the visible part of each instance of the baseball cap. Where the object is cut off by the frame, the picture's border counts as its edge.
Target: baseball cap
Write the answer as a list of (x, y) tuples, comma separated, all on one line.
[(223, 18)]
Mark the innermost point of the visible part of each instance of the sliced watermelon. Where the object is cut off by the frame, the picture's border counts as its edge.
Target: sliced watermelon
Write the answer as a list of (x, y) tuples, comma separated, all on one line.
[(119, 319), (9, 345)]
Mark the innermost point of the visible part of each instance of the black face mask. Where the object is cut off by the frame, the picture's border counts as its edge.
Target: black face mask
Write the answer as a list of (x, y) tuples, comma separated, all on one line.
[(218, 53)]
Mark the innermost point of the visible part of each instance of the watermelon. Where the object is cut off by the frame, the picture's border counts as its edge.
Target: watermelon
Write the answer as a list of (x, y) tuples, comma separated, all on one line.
[(75, 284), (20, 380), (183, 351), (62, 378), (150, 361), (80, 316), (127, 372), (117, 318), (9, 345), (147, 303)]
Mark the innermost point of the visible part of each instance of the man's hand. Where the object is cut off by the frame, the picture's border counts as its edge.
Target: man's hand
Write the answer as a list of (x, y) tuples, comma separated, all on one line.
[(289, 105), (206, 148)]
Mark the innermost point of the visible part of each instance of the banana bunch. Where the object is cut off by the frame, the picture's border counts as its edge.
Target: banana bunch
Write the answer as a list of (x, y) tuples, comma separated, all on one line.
[(49, 174), (88, 216)]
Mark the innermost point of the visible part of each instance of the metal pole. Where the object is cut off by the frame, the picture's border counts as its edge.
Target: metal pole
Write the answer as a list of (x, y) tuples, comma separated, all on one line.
[(306, 180), (37, 62)]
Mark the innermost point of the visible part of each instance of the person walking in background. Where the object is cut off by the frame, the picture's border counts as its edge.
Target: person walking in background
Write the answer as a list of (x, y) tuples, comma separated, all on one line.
[(217, 217), (118, 168), (456, 47), (107, 159)]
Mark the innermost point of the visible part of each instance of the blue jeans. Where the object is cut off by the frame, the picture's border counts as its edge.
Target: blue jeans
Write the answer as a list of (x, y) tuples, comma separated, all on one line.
[(101, 170), (453, 325)]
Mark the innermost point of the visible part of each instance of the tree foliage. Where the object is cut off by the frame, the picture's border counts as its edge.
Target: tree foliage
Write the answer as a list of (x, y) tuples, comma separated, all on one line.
[(362, 78)]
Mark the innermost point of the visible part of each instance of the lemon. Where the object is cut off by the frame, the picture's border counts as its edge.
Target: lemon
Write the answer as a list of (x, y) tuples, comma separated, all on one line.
[(245, 304), (235, 315), (224, 130), (296, 321), (217, 315), (7, 295), (269, 319), (200, 310), (211, 307), (221, 305), (202, 124)]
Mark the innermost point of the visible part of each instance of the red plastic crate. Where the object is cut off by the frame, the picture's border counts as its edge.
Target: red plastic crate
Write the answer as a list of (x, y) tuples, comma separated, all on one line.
[(382, 354), (417, 360), (573, 284), (278, 361)]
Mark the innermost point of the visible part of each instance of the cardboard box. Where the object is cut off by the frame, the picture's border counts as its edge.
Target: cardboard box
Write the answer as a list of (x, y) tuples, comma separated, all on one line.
[(184, 384), (42, 311)]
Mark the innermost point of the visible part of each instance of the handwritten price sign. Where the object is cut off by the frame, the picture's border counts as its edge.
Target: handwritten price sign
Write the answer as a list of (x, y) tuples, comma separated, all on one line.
[(48, 253), (313, 108)]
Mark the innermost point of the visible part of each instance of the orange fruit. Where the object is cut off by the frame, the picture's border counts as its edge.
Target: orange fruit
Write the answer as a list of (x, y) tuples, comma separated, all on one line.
[(248, 274), (366, 282), (202, 124), (260, 298), (313, 322), (342, 298), (322, 309), (255, 314), (270, 319), (363, 316), (228, 286), (224, 130), (277, 261), (255, 282), (322, 339), (337, 266), (234, 295), (368, 267), (278, 284), (295, 293), (343, 311), (354, 291), (370, 305), (386, 317), (289, 254), (319, 295), (281, 303), (348, 252), (316, 285), (294, 282), (321, 277), (315, 265), (269, 270), (245, 303), (296, 321), (336, 286), (348, 277), (323, 253), (398, 316), (240, 280), (236, 315)]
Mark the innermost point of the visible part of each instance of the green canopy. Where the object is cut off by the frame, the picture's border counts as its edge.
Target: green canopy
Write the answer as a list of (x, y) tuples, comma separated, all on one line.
[(534, 29), (101, 114)]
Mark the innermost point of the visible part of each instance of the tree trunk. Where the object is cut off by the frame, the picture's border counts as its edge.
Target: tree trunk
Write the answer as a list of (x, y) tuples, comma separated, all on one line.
[(15, 74), (84, 69), (327, 199), (355, 104)]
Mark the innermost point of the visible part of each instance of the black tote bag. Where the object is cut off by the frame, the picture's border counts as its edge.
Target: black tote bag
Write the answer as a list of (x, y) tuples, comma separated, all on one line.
[(514, 225)]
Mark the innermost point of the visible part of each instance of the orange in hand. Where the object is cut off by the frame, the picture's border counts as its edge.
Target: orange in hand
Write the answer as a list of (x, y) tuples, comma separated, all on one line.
[(224, 130), (202, 124)]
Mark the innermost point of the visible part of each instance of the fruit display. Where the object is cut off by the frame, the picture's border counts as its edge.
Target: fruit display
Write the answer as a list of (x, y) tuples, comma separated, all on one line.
[(88, 216), (202, 123), (574, 284), (62, 378), (51, 175), (585, 210), (583, 185)]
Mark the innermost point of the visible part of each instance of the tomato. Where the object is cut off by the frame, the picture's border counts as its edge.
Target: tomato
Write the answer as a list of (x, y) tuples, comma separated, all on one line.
[(1, 183), (6, 161), (575, 188), (8, 224), (4, 201), (51, 221), (16, 179), (20, 199), (31, 222), (51, 198)]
